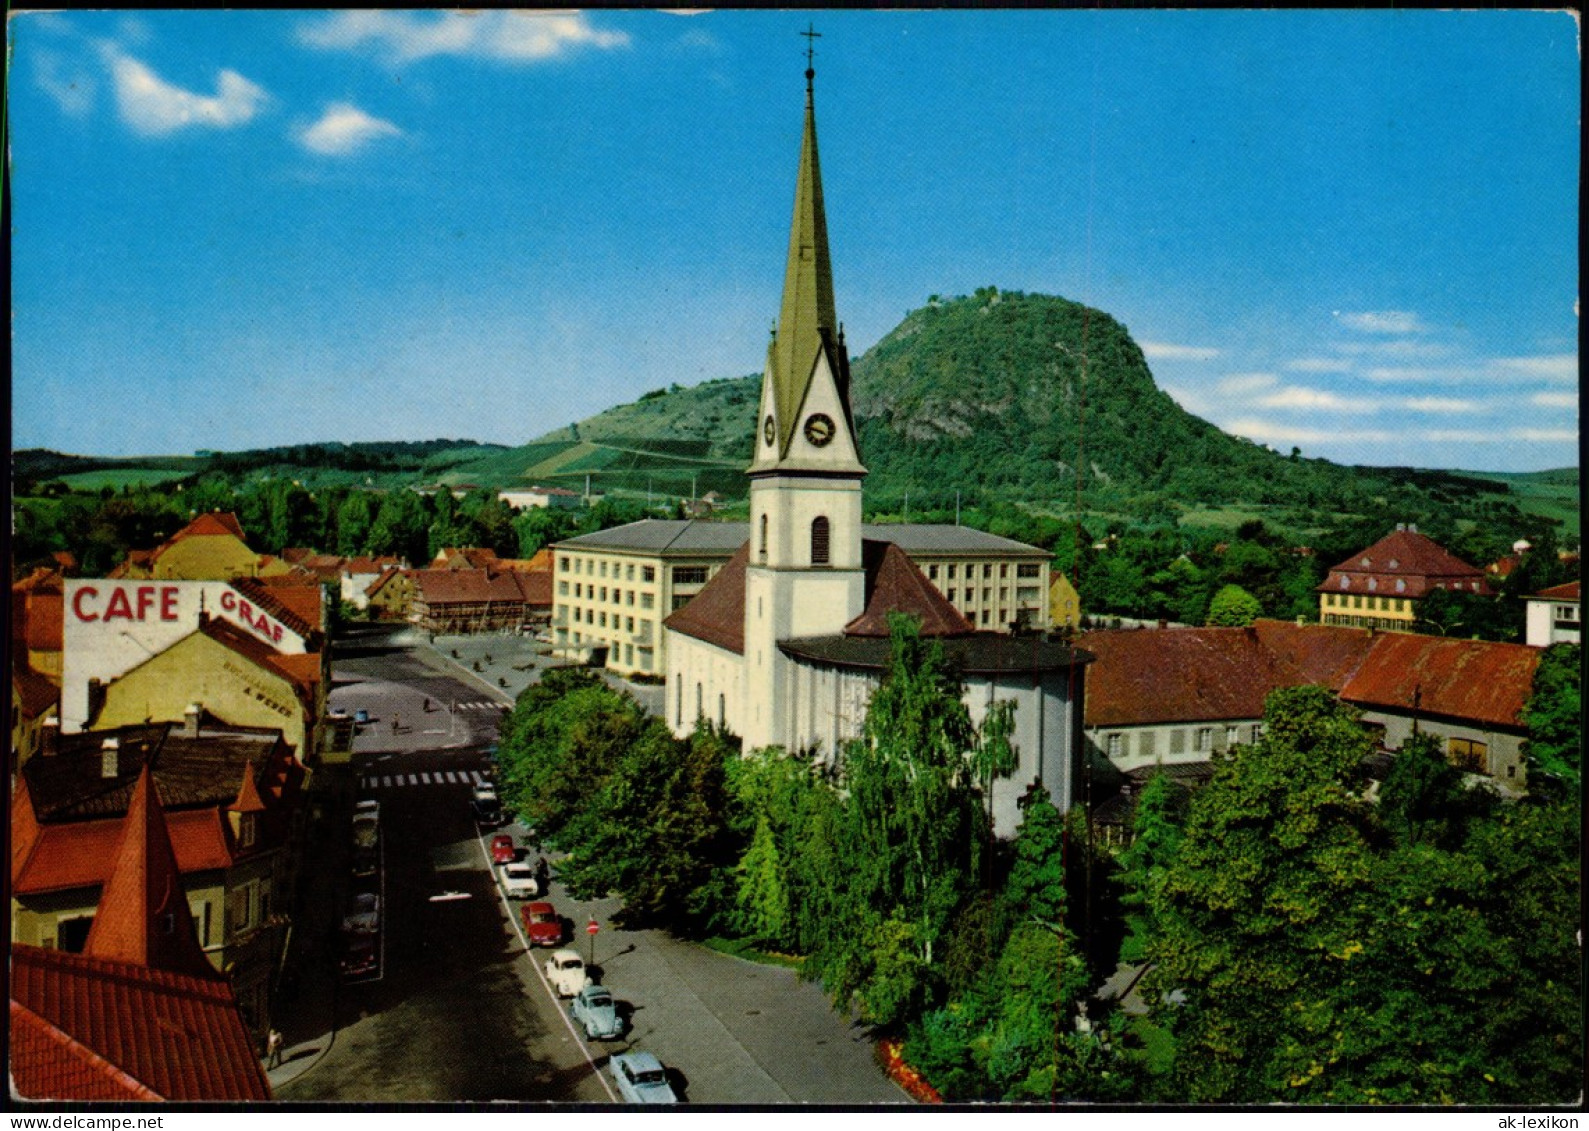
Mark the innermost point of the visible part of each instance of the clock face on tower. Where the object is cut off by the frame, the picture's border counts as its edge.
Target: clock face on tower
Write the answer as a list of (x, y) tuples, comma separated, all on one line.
[(819, 429), (768, 431)]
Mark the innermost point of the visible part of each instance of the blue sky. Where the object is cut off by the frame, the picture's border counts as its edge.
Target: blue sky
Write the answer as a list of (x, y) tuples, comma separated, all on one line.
[(1353, 232)]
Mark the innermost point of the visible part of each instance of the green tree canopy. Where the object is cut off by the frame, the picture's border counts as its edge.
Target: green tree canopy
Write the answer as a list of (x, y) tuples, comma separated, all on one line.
[(1233, 607)]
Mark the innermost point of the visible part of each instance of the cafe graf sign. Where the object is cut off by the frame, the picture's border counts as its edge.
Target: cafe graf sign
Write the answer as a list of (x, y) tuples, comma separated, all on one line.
[(113, 626)]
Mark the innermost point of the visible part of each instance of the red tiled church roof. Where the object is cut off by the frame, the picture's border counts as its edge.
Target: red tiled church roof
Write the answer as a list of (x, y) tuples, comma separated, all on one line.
[(894, 584), (717, 613)]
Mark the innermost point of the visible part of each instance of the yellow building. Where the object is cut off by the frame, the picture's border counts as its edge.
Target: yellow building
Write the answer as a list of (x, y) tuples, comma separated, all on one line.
[(1380, 587), (612, 589), (391, 594), (210, 548), (228, 673), (1064, 603)]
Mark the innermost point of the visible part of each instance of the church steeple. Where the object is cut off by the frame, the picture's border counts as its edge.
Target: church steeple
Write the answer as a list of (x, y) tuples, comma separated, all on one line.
[(808, 331)]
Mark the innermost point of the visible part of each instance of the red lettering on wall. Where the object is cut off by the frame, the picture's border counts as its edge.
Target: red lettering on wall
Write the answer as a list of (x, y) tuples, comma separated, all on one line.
[(228, 601), (168, 602), (145, 600), (275, 633), (77, 603), (247, 612), (119, 606)]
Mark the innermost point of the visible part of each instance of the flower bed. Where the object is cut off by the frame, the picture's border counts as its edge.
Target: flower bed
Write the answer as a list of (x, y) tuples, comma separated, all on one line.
[(890, 1054)]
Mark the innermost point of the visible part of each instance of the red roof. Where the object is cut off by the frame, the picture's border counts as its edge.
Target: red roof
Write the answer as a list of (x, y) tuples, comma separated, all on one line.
[(79, 853), (1321, 653), (1476, 680), (36, 691), (1414, 562), (296, 604), (143, 915), (464, 557), (717, 613), (1566, 592), (895, 584), (461, 585), (379, 583), (93, 1028), (211, 525), (1144, 676)]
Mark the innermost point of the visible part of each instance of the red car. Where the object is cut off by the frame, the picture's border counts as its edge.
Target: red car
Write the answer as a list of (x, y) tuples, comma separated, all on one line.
[(502, 849), (542, 925)]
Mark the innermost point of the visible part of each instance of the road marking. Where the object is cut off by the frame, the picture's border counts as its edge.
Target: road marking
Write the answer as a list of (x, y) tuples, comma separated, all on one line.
[(476, 777), (425, 778), (557, 1002), (412, 780)]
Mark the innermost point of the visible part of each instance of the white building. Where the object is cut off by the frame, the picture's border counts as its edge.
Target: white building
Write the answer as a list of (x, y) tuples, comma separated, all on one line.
[(554, 498), (1553, 616), (785, 644)]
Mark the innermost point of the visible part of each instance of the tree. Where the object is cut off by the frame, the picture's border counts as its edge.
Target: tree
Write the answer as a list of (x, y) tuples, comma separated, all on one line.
[(1554, 717), (1156, 837), (1233, 607)]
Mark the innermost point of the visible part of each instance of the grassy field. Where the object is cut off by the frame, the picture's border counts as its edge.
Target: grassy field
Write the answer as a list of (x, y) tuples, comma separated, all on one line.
[(1549, 494), (118, 477)]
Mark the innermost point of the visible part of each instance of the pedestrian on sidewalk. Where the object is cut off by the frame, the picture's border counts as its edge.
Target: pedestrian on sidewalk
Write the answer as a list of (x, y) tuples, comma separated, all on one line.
[(273, 1047)]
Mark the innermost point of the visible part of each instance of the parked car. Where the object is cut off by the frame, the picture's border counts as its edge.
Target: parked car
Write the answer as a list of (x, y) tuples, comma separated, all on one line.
[(542, 925), (339, 712), (641, 1079), (366, 862), (566, 971), (360, 955), (503, 850), (594, 1009), (487, 812), (364, 912), (366, 831), (485, 791), (519, 882), (369, 807)]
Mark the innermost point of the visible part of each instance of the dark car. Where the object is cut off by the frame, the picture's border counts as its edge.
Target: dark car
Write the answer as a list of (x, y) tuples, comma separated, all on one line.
[(487, 812), (366, 862), (360, 955)]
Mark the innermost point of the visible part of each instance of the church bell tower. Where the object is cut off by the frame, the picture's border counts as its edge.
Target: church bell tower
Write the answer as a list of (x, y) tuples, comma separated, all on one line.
[(804, 577)]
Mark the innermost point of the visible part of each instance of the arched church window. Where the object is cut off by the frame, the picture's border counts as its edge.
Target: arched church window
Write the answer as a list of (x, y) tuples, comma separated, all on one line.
[(722, 711), (700, 703), (763, 542), (819, 540)]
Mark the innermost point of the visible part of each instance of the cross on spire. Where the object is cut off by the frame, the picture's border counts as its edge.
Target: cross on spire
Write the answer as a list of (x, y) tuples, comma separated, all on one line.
[(812, 35)]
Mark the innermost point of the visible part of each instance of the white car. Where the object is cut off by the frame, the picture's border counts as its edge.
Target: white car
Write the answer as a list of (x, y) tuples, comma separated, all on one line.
[(367, 808), (566, 971), (519, 882), (485, 791)]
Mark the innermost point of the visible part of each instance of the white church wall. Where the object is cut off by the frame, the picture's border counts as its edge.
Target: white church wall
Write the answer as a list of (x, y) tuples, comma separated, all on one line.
[(703, 679)]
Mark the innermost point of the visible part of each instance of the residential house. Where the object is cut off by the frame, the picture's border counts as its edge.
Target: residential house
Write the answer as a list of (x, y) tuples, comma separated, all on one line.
[(231, 798), (1380, 587), (1554, 616), (140, 1014), (552, 498)]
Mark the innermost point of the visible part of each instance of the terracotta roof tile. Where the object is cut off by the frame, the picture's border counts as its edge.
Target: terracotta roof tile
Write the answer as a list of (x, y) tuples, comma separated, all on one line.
[(180, 1037), (211, 525), (461, 585), (1566, 592), (298, 606), (36, 690), (47, 1063), (717, 613), (1464, 679), (1180, 674), (1320, 653), (894, 584), (79, 854), (1415, 561), (143, 915)]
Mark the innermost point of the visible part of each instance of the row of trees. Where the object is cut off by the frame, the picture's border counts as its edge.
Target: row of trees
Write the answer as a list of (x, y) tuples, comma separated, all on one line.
[(100, 528), (1305, 943)]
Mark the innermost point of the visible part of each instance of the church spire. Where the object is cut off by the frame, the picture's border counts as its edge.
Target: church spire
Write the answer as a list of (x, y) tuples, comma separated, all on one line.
[(808, 326)]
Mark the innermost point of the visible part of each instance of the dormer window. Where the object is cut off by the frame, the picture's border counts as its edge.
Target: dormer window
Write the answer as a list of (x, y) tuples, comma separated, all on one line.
[(245, 831), (1401, 586), (1346, 583), (1367, 562), (1394, 563), (1373, 584)]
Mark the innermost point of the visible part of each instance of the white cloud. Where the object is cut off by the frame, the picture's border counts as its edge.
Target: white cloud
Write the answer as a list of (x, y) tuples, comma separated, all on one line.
[(1450, 436), (404, 37), (154, 107), (71, 87), (1552, 367), (1544, 435), (344, 129), (1164, 351), (1319, 365), (1441, 405), (1247, 382), (1299, 396), (1418, 374), (1380, 321), (1267, 432), (1555, 400)]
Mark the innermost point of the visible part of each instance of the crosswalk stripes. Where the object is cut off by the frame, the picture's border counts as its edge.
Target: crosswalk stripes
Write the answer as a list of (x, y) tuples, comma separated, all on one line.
[(480, 705), (431, 777)]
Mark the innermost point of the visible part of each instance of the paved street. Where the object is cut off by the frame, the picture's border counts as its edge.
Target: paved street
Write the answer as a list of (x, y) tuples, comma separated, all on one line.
[(460, 1011)]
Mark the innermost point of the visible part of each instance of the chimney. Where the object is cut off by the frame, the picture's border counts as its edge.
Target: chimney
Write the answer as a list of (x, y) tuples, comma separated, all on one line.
[(1412, 528), (1401, 526), (1163, 623), (110, 758), (50, 737), (190, 720), (1301, 620)]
